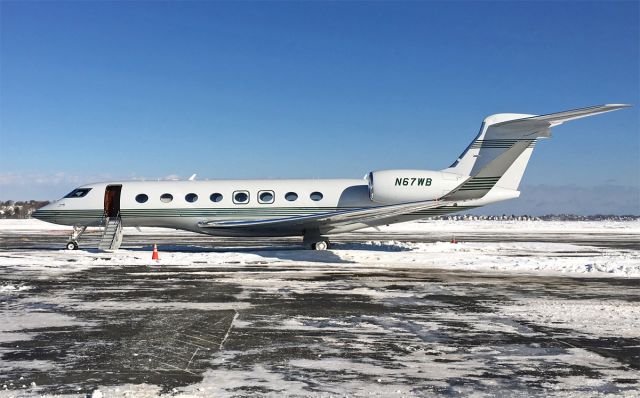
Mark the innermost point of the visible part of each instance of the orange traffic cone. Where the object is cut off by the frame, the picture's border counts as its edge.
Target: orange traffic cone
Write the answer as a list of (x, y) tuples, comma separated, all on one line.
[(154, 256)]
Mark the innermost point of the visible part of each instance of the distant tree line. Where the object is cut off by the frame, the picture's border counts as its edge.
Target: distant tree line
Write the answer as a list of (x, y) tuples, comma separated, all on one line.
[(19, 209)]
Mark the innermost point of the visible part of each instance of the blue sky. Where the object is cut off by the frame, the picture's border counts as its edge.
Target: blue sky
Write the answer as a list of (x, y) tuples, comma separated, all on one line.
[(110, 90)]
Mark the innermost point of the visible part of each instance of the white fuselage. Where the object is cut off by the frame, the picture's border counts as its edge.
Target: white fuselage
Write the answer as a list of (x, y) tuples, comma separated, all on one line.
[(191, 203)]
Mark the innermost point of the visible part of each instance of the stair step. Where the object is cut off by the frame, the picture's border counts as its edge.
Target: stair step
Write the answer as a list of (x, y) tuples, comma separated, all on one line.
[(112, 235)]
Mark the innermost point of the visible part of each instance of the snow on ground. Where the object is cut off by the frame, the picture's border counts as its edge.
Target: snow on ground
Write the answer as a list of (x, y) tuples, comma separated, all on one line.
[(356, 342), (528, 257), (629, 227), (31, 224), (125, 391), (25, 226), (13, 288), (542, 258), (62, 261), (539, 258), (597, 317)]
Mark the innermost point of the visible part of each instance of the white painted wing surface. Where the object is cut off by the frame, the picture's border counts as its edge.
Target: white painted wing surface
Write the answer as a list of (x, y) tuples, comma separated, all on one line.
[(330, 219)]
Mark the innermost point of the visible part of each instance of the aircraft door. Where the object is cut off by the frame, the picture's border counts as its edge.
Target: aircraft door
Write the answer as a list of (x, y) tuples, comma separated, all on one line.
[(112, 200)]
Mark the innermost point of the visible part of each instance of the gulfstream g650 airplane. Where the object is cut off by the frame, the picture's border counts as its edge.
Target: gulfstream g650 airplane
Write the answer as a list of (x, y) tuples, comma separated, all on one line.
[(488, 171)]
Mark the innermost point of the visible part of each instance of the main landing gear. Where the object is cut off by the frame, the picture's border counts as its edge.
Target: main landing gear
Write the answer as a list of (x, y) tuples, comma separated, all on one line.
[(315, 242), (78, 230), (321, 245)]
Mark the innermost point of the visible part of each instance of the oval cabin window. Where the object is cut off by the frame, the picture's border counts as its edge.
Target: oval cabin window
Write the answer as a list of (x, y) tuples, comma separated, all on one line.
[(316, 196), (291, 196), (141, 198), (166, 197), (241, 197), (216, 197), (191, 197), (265, 197)]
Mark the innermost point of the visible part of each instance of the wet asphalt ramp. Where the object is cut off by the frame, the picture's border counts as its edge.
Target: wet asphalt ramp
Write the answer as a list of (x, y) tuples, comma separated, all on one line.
[(250, 329), (125, 335), (313, 324)]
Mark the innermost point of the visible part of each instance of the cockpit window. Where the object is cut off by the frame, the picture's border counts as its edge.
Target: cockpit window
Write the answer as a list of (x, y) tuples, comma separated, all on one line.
[(78, 193)]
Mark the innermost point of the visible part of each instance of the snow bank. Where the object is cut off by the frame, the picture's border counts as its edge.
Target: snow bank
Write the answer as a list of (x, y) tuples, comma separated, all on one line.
[(529, 257), (31, 224), (631, 227)]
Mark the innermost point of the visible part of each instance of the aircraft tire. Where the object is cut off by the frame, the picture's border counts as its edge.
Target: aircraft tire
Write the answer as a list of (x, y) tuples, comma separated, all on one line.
[(322, 245), (71, 245)]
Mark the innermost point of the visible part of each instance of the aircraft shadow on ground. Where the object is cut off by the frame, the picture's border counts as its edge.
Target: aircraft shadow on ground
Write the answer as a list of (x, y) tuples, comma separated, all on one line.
[(292, 253)]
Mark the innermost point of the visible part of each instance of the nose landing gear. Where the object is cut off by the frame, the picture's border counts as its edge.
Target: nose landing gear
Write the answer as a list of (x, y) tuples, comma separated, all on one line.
[(78, 230)]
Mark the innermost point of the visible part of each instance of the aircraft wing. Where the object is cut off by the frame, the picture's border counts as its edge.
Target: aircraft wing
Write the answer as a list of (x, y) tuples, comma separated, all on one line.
[(328, 220)]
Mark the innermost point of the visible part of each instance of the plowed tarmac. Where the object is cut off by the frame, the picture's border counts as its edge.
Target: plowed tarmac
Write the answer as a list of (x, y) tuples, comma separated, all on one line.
[(256, 329)]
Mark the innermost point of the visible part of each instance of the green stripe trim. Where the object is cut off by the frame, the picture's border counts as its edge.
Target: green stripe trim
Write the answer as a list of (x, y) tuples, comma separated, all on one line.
[(500, 144), (479, 183), (228, 212)]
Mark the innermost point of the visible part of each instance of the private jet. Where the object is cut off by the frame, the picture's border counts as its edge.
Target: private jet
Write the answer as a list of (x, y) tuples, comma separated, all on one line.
[(489, 170)]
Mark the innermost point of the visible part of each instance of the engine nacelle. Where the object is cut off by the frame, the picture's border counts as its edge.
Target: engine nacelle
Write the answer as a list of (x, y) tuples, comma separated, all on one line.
[(401, 186)]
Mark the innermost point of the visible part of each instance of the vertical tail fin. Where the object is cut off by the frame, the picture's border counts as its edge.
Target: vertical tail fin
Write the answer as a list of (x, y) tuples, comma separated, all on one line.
[(499, 154)]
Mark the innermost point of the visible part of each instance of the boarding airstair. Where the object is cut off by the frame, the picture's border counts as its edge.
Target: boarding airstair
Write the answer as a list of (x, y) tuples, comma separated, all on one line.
[(112, 235)]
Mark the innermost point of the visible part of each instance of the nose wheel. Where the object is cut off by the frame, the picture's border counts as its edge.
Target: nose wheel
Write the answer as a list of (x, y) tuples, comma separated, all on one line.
[(72, 245)]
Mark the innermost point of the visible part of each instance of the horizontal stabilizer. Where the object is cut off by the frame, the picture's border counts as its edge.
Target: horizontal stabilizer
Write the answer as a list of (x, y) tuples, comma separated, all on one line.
[(542, 122)]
